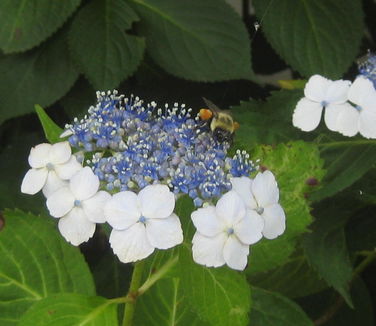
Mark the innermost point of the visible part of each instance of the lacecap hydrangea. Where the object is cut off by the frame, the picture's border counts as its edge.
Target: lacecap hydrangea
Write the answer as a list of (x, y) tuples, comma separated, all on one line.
[(139, 158)]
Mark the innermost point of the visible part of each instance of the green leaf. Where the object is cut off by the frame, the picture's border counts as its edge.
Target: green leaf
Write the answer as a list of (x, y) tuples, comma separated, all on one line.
[(346, 164), (293, 279), (271, 309), (326, 250), (51, 129), (219, 296), (165, 304), (294, 164), (196, 40), (71, 309), (313, 36), (35, 262), (40, 76), (26, 23), (99, 44), (268, 122)]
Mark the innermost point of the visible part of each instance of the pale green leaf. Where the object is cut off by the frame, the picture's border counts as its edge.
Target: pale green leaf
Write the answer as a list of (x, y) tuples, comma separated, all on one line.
[(272, 309), (71, 309), (219, 296), (26, 23), (41, 76), (51, 129), (196, 40), (101, 47), (35, 262), (313, 36)]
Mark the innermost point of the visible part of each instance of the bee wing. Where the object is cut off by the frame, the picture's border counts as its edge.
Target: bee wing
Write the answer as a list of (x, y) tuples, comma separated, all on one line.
[(212, 106)]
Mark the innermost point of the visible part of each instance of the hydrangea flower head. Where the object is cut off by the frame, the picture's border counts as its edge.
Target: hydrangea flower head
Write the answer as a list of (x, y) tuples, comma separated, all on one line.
[(367, 67), (224, 232), (320, 93), (142, 222), (51, 166), (262, 196), (79, 206)]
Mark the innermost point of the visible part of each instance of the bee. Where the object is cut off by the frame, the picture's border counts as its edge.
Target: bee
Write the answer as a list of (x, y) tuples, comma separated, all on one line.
[(221, 123)]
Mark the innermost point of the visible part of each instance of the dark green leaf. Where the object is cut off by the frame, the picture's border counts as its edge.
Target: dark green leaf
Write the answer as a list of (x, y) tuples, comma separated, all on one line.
[(26, 23), (293, 279), (346, 164), (164, 304), (219, 296), (51, 129), (99, 44), (196, 40), (35, 262), (326, 249), (268, 122), (313, 36), (272, 309), (40, 76), (71, 309)]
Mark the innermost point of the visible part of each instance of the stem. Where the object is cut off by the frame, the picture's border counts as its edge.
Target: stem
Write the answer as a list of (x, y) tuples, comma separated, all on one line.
[(333, 309), (158, 275), (133, 293)]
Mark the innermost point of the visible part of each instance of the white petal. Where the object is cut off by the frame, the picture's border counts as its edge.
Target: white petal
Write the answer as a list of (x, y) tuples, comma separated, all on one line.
[(348, 121), (307, 115), (53, 183), (235, 253), (367, 123), (249, 229), (265, 189), (60, 153), (60, 202), (156, 201), (121, 211), (131, 244), (67, 170), (337, 91), (316, 88), (360, 90), (208, 251), (230, 208), (332, 112), (164, 233), (66, 133), (39, 155), (33, 181), (75, 227), (242, 186), (206, 221), (94, 206), (84, 184), (275, 221)]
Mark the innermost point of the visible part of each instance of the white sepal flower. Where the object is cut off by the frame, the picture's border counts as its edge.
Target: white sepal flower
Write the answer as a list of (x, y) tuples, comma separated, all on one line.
[(224, 232), (262, 196), (143, 222), (362, 117), (51, 166), (79, 206), (321, 92)]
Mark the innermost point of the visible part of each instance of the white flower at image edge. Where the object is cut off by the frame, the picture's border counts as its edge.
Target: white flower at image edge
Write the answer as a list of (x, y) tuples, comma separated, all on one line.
[(262, 196), (321, 92), (79, 206), (143, 222), (362, 117), (224, 232), (51, 166)]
